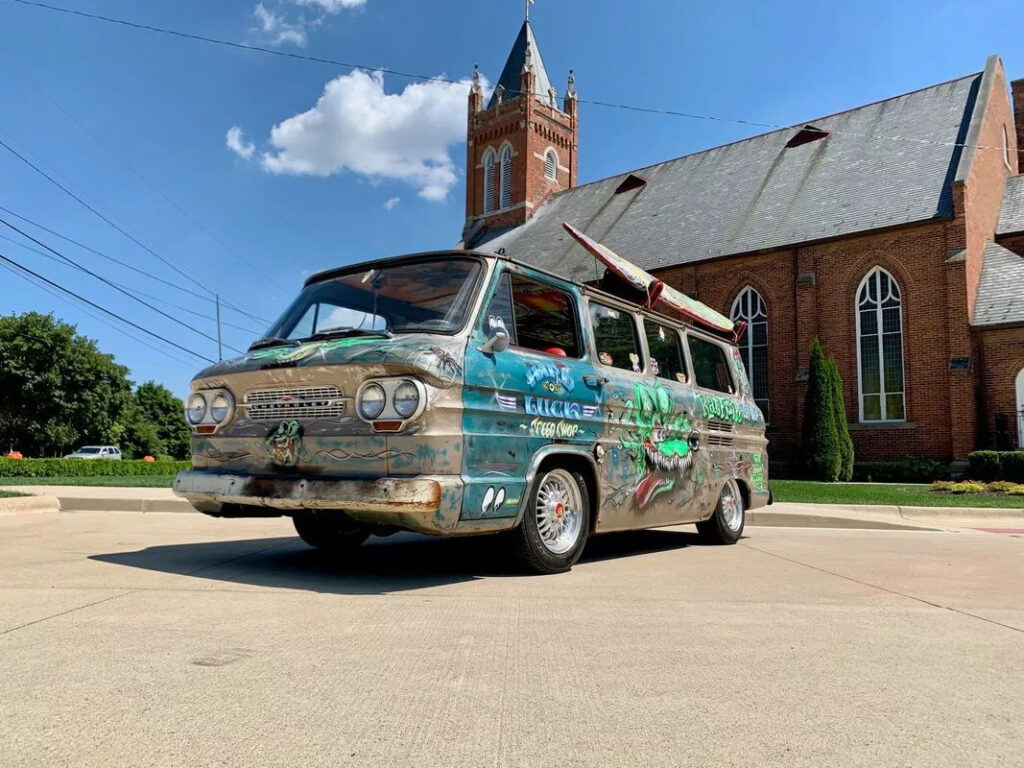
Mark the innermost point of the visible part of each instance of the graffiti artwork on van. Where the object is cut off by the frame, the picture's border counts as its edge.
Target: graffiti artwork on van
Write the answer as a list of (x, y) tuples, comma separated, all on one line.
[(654, 433), (552, 377)]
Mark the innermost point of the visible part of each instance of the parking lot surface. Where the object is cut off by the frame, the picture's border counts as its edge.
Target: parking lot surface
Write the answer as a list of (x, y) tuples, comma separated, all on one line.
[(179, 640)]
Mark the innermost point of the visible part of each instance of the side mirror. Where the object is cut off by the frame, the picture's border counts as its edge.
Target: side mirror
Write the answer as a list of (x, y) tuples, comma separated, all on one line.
[(497, 343)]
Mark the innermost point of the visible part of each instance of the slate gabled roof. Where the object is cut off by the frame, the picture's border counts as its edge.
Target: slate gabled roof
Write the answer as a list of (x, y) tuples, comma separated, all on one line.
[(1011, 216), (514, 68), (1000, 297), (760, 194)]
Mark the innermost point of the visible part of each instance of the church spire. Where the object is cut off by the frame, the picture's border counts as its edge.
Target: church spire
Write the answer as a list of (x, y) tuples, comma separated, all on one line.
[(525, 52)]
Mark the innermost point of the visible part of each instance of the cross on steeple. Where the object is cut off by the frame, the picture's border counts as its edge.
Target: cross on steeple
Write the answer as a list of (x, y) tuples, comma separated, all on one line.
[(528, 4)]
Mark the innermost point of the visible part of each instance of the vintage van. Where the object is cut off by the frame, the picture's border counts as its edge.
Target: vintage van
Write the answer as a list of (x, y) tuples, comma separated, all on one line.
[(462, 393)]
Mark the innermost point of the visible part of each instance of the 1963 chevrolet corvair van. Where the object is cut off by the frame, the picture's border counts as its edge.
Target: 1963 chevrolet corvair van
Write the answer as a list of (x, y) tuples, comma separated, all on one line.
[(461, 393)]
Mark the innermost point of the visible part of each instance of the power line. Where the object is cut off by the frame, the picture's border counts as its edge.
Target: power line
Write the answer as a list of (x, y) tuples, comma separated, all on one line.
[(88, 207), (511, 93), (104, 310), (125, 264), (167, 353), (133, 289), (137, 174), (113, 285)]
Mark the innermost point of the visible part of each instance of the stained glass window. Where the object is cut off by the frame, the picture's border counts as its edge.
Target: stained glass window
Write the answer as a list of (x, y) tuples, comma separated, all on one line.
[(880, 348), (749, 307)]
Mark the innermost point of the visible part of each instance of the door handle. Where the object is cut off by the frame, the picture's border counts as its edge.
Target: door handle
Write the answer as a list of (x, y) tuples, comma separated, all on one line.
[(595, 381)]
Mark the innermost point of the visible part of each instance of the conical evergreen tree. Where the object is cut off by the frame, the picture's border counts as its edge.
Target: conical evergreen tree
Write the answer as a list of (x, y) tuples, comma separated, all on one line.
[(842, 429), (820, 446)]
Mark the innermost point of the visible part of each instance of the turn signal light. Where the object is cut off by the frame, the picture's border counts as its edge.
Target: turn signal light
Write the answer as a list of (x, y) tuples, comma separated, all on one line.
[(387, 426)]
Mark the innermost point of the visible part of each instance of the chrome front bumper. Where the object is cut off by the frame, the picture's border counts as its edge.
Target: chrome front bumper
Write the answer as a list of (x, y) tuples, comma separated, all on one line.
[(426, 504)]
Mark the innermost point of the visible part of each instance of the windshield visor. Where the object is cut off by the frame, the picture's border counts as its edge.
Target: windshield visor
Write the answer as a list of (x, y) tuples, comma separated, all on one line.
[(430, 296)]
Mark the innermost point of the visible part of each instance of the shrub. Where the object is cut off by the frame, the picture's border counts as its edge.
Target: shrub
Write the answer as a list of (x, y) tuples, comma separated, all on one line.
[(842, 428), (1011, 466), (923, 470), (88, 468), (820, 444), (966, 487), (984, 465), (942, 485), (1017, 490)]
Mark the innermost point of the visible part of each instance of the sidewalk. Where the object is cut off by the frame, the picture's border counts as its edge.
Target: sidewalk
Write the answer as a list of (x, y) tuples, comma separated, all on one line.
[(102, 499)]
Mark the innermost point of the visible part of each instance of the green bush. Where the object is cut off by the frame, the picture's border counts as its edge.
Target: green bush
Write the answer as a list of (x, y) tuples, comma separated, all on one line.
[(984, 466), (820, 445), (842, 428), (88, 468), (966, 487), (1011, 466)]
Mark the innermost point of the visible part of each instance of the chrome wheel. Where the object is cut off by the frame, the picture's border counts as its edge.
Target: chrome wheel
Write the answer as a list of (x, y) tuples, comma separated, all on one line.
[(732, 506), (559, 512)]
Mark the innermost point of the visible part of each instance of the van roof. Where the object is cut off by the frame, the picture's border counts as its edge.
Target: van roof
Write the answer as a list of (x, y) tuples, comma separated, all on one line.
[(588, 289)]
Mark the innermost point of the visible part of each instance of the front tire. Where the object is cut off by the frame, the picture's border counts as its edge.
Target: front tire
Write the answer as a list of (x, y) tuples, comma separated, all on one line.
[(333, 532), (725, 526), (555, 526)]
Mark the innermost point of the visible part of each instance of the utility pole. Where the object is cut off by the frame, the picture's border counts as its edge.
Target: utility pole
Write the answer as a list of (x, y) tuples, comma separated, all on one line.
[(220, 350)]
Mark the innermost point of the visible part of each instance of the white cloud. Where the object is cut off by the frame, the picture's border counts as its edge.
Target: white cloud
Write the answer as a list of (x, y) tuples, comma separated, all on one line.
[(236, 143), (357, 127), (392, 202), (277, 28), (332, 6)]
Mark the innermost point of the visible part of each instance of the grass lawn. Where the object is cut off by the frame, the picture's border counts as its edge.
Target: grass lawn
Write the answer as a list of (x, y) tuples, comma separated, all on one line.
[(885, 493), (130, 481), (9, 494)]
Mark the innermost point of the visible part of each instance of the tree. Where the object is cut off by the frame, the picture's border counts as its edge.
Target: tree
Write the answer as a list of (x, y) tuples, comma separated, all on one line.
[(842, 428), (57, 389), (820, 445), (157, 406)]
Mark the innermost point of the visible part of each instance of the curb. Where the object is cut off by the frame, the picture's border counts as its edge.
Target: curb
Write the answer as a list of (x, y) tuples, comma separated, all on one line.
[(21, 504), (92, 504)]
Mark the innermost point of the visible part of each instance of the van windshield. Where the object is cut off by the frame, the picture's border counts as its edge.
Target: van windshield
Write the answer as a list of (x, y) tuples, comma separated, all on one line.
[(431, 296)]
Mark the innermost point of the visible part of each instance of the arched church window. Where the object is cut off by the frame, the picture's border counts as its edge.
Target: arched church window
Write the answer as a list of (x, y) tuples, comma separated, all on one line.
[(506, 176), (551, 164), (880, 348), (488, 163), (749, 307)]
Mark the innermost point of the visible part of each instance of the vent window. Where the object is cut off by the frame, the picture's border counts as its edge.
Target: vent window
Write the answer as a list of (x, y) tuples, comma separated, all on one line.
[(806, 135), (629, 183), (551, 164)]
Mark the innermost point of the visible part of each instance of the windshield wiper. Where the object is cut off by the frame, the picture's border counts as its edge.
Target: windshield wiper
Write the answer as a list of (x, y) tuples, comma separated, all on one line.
[(333, 332), (273, 341)]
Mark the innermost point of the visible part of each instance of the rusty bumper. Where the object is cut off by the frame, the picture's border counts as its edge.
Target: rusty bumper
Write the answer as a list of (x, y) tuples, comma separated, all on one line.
[(427, 504)]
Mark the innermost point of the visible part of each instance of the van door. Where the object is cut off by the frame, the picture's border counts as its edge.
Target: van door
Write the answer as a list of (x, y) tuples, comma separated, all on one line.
[(529, 396)]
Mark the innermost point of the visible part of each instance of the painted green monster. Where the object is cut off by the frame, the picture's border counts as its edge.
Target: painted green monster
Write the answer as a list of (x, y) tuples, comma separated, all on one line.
[(654, 434)]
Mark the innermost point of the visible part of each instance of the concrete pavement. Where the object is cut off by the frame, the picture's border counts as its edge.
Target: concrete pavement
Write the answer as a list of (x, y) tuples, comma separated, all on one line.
[(180, 640)]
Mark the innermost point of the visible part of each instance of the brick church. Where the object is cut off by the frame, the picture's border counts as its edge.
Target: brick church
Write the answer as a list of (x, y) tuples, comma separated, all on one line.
[(904, 256)]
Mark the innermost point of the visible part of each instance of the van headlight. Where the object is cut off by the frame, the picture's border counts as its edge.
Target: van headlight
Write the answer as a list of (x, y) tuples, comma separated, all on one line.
[(371, 401), (221, 406), (196, 409), (406, 399)]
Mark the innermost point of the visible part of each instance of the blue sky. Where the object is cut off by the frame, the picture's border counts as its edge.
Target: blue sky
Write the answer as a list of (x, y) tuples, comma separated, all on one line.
[(327, 188)]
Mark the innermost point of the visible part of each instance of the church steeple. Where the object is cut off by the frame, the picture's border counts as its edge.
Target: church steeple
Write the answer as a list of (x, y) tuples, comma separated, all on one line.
[(522, 147)]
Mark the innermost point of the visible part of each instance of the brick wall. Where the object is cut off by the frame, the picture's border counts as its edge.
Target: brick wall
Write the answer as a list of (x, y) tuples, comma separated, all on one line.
[(916, 257), (1002, 352)]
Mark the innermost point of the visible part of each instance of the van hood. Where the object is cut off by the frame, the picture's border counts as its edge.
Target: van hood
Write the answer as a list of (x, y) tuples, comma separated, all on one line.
[(436, 356)]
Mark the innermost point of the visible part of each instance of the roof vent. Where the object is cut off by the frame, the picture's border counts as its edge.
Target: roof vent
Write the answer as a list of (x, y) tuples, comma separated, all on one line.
[(806, 135), (629, 183)]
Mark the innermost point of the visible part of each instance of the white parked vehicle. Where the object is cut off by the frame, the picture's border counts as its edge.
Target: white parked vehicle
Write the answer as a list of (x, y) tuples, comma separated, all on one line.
[(96, 452)]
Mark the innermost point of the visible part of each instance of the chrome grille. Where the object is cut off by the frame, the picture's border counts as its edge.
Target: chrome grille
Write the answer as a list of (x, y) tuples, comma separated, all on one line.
[(294, 403)]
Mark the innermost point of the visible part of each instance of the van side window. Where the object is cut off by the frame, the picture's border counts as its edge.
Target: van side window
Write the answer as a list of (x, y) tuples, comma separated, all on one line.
[(666, 351), (615, 337), (499, 314), (710, 368), (545, 318)]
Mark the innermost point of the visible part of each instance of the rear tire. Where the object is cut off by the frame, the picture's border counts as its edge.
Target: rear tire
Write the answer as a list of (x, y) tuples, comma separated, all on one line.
[(555, 526), (333, 532), (725, 526)]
